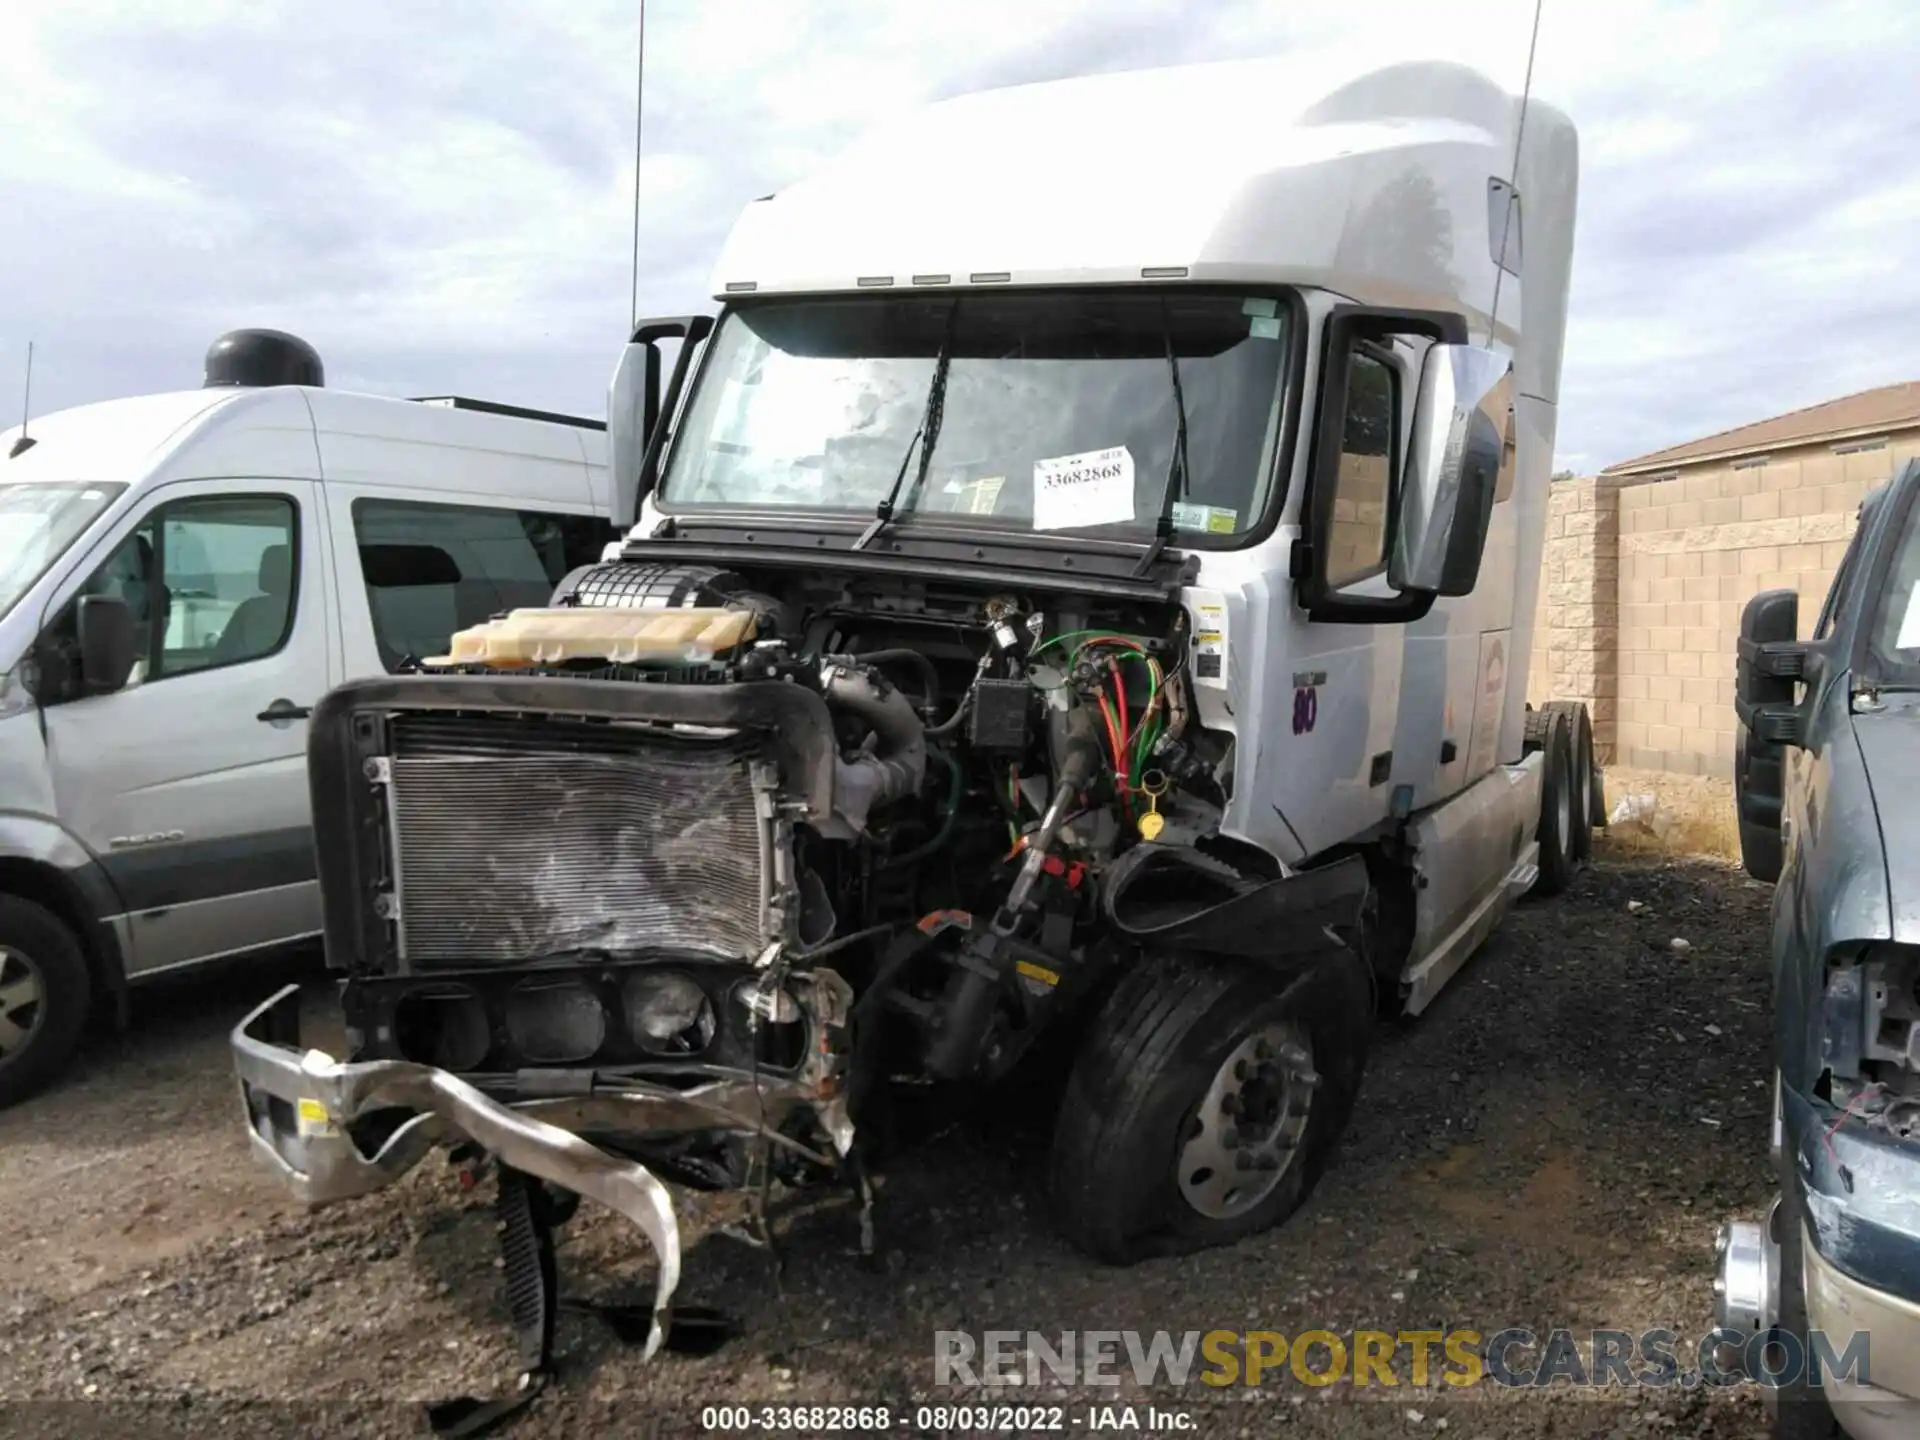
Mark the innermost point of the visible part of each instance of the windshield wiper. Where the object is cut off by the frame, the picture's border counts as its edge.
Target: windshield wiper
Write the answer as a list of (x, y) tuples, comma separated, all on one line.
[(924, 437), (1176, 487)]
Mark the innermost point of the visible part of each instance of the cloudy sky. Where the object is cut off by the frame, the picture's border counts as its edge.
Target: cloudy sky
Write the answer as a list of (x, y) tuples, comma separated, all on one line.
[(439, 195)]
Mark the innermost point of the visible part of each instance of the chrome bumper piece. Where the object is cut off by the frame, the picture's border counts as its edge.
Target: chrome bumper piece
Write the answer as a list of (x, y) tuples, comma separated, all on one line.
[(1746, 1286), (303, 1138)]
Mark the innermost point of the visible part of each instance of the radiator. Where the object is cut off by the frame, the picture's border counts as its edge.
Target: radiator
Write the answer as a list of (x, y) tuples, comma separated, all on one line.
[(515, 840)]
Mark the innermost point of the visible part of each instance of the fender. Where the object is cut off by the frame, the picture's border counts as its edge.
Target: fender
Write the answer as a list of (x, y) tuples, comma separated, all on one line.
[(35, 853)]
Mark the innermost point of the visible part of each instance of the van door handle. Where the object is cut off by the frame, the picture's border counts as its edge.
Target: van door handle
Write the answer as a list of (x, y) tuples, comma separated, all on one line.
[(284, 710)]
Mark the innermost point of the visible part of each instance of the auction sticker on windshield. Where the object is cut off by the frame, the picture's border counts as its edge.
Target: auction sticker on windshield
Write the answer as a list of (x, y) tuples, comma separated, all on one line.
[(1094, 487)]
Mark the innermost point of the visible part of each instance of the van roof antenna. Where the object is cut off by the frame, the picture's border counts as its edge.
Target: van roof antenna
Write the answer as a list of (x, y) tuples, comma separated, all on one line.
[(1513, 184), (25, 442)]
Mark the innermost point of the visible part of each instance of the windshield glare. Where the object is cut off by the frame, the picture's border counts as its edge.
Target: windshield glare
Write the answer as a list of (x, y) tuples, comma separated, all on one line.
[(38, 521), (1058, 410)]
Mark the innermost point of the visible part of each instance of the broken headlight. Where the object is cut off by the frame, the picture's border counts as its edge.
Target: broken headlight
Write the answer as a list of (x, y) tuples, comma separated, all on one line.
[(668, 1014)]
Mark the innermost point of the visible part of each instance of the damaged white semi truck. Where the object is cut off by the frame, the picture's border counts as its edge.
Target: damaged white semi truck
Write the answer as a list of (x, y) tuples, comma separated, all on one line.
[(1077, 617)]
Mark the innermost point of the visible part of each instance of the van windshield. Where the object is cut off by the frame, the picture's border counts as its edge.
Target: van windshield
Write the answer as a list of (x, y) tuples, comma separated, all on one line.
[(1058, 411), (38, 521)]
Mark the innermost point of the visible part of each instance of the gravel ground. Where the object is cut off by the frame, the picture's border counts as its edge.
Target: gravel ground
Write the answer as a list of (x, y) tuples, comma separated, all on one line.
[(1551, 1145)]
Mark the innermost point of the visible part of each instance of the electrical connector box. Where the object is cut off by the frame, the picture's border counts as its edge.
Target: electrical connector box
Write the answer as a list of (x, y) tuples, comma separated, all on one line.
[(999, 717)]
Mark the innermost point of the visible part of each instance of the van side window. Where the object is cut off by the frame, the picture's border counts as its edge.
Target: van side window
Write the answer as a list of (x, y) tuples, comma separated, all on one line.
[(1358, 544), (211, 582), (432, 570)]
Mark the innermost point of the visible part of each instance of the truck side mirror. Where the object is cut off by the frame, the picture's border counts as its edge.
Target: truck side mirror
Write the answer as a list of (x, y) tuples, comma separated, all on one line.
[(636, 406), (108, 645), (1463, 443), (1771, 664)]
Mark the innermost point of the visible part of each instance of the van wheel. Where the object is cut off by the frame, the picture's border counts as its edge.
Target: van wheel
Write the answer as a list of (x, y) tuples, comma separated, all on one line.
[(1207, 1098), (1560, 806), (44, 995)]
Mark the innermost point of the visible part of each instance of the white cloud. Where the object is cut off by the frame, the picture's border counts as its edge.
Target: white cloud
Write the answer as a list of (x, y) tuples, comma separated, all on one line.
[(440, 197)]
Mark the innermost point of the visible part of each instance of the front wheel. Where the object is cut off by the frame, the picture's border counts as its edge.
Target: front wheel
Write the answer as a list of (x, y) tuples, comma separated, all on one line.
[(1208, 1097), (44, 996)]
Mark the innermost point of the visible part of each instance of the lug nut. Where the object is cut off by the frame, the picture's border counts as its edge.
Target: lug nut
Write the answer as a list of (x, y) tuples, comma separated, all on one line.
[(1262, 1050), (1242, 1071)]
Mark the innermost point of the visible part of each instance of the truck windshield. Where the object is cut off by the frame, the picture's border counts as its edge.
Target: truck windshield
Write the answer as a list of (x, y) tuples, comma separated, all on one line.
[(1058, 410), (38, 521)]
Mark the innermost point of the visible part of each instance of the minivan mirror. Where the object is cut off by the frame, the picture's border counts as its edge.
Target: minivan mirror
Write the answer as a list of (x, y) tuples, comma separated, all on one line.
[(1770, 665), (1462, 443), (108, 644), (635, 406)]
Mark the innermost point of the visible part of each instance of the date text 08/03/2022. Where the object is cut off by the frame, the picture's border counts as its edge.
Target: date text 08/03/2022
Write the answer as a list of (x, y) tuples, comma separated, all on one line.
[(944, 1419)]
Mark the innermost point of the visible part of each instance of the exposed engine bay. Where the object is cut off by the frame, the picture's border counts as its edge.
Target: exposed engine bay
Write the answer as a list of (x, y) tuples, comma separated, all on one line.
[(959, 806), (679, 876)]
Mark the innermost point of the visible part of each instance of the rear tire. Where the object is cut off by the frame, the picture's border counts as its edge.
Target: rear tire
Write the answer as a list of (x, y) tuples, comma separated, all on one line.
[(1146, 1097), (1559, 805), (1587, 809), (45, 993)]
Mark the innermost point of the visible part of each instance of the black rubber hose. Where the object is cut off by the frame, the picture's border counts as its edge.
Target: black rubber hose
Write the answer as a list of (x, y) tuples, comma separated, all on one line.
[(955, 785), (919, 661)]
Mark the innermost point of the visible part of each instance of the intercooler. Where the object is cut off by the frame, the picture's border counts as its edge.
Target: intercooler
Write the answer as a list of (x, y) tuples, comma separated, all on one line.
[(515, 840)]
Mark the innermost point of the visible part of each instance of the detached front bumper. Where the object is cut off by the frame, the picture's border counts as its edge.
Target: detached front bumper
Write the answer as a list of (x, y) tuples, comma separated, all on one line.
[(299, 1104)]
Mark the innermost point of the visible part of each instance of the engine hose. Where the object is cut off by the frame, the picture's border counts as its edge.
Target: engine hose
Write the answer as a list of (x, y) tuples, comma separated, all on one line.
[(956, 784), (920, 662), (952, 723)]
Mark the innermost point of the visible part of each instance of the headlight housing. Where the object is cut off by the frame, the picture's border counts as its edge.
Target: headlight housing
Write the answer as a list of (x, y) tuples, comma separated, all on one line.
[(668, 1014)]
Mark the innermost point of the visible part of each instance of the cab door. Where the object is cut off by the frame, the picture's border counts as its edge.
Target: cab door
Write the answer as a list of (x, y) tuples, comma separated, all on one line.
[(189, 783)]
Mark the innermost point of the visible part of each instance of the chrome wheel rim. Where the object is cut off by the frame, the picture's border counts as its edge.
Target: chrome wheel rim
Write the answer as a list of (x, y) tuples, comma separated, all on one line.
[(1243, 1136), (22, 1002)]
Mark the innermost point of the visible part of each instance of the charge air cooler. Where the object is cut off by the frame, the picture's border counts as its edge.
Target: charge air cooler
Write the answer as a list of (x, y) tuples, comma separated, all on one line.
[(472, 822)]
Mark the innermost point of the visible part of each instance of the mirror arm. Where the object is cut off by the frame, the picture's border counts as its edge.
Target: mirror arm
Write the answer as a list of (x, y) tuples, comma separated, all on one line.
[(1777, 659), (1773, 724), (691, 331)]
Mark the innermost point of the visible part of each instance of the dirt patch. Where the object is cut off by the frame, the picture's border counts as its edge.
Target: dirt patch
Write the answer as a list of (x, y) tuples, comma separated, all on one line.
[(1672, 814), (1551, 1145)]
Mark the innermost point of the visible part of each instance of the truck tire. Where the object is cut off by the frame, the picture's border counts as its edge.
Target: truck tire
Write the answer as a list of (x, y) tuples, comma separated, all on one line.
[(45, 992), (1590, 812), (1560, 804), (1798, 1411), (1193, 1060)]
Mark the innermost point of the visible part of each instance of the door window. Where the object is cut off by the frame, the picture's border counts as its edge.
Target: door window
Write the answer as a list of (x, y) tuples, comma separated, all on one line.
[(432, 570), (1357, 543), (210, 581)]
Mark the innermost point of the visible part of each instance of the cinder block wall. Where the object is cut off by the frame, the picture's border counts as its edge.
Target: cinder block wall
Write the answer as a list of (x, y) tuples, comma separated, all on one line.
[(1645, 582)]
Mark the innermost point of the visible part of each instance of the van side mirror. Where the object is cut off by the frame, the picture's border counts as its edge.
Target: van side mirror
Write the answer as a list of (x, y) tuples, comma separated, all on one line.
[(1772, 662), (108, 645), (1462, 445), (636, 406)]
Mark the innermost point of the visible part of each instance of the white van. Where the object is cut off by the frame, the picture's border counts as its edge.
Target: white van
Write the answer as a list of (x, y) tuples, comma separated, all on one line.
[(181, 577)]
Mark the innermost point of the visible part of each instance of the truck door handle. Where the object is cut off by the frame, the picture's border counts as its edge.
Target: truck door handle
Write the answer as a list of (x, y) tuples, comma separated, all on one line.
[(284, 710)]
